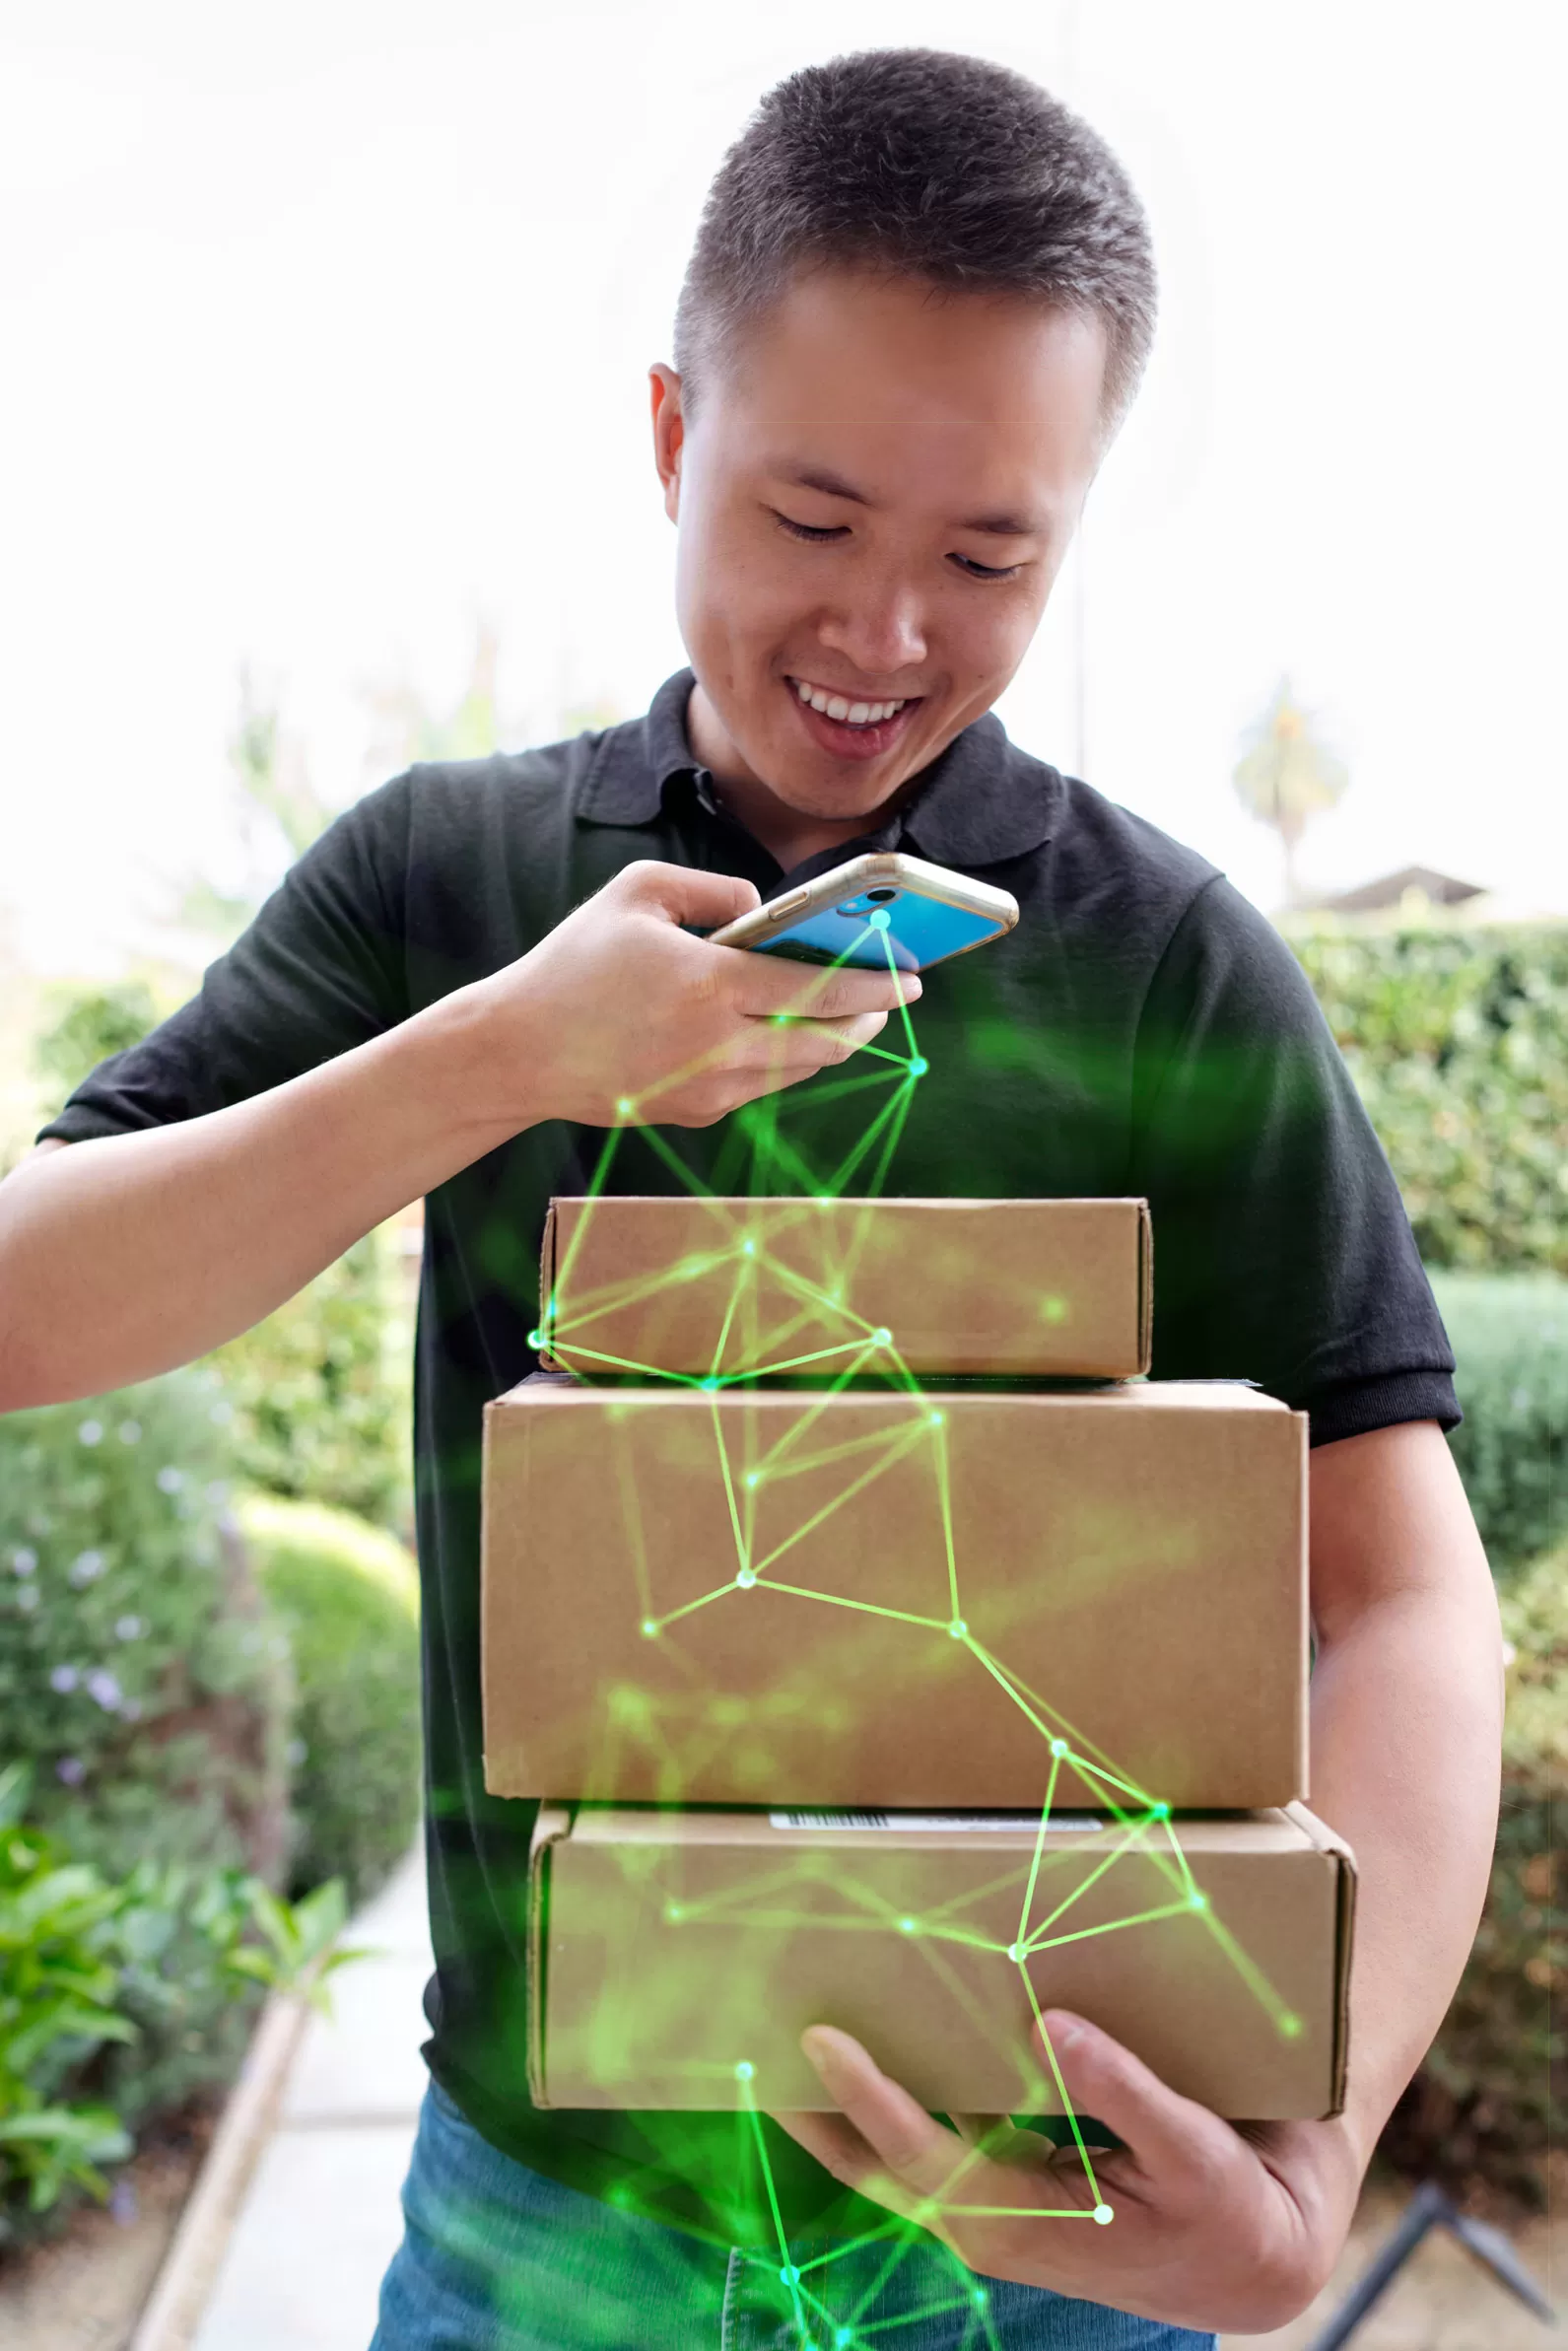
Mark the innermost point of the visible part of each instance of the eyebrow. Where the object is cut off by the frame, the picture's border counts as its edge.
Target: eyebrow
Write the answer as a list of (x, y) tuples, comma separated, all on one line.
[(833, 485)]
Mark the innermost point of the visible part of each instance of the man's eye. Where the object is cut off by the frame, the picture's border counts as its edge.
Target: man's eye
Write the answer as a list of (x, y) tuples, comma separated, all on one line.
[(806, 531), (986, 571)]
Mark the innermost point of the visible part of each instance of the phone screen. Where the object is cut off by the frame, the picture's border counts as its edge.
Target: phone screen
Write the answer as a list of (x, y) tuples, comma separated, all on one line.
[(918, 930)]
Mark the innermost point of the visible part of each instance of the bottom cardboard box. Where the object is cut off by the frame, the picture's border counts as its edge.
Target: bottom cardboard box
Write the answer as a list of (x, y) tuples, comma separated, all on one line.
[(678, 1956)]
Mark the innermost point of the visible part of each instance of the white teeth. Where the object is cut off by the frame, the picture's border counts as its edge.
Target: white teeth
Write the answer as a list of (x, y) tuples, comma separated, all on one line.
[(835, 706)]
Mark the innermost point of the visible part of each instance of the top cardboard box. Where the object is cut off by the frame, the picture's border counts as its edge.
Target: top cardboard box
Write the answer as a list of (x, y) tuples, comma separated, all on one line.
[(959, 1289)]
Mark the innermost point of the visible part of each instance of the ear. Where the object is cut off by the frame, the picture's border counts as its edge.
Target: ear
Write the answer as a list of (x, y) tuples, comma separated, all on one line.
[(669, 434)]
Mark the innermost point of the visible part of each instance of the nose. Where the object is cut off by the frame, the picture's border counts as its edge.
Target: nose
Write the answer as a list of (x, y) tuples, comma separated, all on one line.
[(880, 632)]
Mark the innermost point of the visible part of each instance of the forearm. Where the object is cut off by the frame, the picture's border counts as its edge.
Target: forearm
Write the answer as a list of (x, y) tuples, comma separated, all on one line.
[(122, 1257), (1407, 1710)]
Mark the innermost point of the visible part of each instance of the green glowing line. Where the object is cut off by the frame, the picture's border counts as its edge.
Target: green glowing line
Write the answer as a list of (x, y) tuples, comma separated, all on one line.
[(1112, 1780), (944, 1501), (1107, 1861), (689, 1606), (1180, 1858), (901, 1111), (865, 1607), (1040, 1846), (729, 1316), (772, 2201), (742, 1554), (852, 2244), (674, 1379), (927, 2309), (819, 1517), (675, 1163), (860, 1150), (1111, 1926), (825, 1459), (846, 1347), (1247, 1968), (1067, 2106), (904, 1010)]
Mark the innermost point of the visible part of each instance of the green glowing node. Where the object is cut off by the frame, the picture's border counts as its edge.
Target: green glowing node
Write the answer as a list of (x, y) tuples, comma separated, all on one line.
[(918, 1065), (623, 1108), (1197, 1900), (1161, 1812), (1053, 1310), (536, 1339), (708, 1387), (841, 2338), (1103, 2213), (790, 2275), (1014, 1953), (674, 1913), (650, 1628), (881, 1338), (906, 1926), (879, 917), (748, 1248), (980, 2298), (745, 2070), (1059, 1749), (746, 1579), (937, 1419), (957, 1630), (1290, 2026), (754, 1477)]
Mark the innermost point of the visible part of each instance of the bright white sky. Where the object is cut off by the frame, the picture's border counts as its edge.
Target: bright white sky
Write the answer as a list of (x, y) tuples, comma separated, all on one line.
[(327, 327)]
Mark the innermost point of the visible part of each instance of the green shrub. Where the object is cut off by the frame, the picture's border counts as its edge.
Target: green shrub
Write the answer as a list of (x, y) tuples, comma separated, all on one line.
[(140, 1676), (320, 1392), (1509, 1335), (86, 1025), (347, 1596), (1455, 1038), (1492, 2098)]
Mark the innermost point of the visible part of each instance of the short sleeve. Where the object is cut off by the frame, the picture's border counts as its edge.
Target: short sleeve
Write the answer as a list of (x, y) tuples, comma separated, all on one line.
[(320, 970), (1282, 1251)]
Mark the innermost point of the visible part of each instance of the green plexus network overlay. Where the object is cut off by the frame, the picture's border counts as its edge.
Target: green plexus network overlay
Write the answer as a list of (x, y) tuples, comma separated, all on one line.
[(769, 1164)]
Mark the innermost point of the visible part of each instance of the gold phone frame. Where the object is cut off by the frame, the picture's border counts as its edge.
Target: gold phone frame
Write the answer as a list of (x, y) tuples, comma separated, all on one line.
[(876, 865)]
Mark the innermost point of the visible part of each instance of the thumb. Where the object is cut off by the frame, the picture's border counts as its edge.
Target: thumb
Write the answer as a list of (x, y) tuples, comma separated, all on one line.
[(706, 900), (1167, 2135)]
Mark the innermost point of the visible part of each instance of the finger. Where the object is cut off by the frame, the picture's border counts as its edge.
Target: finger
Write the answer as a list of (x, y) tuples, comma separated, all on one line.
[(810, 1044), (770, 984), (840, 2149), (905, 2141), (706, 900), (1173, 2139)]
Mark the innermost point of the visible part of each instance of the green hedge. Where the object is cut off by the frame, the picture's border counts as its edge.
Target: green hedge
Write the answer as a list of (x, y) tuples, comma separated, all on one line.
[(1509, 1336), (141, 1681), (1455, 1040), (347, 1596), (1492, 2099)]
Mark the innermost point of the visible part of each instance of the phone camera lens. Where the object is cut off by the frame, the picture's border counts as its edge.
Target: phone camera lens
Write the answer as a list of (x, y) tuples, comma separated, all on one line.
[(880, 897)]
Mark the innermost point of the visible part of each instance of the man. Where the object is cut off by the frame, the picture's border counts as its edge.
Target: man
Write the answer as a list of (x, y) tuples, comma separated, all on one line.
[(920, 301)]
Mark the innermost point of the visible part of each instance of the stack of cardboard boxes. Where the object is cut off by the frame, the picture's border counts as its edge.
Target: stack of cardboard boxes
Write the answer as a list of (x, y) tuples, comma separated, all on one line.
[(888, 1652)]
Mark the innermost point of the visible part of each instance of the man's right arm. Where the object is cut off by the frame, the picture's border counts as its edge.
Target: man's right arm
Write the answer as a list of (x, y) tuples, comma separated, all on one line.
[(125, 1255)]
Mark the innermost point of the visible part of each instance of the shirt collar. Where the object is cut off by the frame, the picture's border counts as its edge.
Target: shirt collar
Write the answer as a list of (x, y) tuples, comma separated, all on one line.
[(981, 802)]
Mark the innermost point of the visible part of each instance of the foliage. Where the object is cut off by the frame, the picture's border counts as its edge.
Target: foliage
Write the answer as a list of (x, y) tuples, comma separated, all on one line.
[(1509, 1335), (80, 1955), (320, 1391), (1492, 2098), (1455, 1038), (348, 1597), (87, 1025), (140, 1676)]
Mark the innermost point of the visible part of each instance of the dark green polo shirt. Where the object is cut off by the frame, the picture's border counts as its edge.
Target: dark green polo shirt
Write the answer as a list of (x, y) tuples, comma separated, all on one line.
[(1143, 1030)]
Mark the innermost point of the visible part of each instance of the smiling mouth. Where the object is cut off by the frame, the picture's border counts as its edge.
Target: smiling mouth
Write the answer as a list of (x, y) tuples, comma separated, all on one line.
[(849, 713)]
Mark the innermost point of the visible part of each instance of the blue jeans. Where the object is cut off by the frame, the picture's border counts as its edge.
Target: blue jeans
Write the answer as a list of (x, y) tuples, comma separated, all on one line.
[(495, 2258)]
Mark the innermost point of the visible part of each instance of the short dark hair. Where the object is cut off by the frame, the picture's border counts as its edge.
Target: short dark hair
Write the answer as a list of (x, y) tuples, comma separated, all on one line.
[(926, 164)]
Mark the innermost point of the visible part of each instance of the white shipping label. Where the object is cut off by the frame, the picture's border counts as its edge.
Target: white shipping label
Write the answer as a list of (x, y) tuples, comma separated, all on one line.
[(956, 1822)]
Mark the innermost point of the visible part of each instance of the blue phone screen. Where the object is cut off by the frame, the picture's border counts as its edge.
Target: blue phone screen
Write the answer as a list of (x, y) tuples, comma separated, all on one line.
[(920, 932)]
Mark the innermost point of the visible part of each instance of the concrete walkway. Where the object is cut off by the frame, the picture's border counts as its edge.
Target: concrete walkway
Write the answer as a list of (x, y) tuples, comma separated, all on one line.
[(321, 2220)]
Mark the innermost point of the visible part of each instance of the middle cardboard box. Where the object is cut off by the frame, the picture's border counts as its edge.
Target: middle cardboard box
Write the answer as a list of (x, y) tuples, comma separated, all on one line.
[(898, 1598)]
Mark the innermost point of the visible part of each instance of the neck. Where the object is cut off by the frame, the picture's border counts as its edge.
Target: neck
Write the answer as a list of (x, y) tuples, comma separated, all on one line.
[(790, 835)]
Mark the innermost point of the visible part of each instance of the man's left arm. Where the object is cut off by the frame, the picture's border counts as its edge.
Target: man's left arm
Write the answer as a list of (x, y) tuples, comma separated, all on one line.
[(1215, 2226)]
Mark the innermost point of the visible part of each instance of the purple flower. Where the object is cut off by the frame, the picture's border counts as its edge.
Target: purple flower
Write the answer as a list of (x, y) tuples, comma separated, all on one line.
[(103, 1687), (128, 1628), (123, 2203), (71, 1769), (91, 1432), (170, 1481), (65, 1677), (85, 1568), (24, 1563)]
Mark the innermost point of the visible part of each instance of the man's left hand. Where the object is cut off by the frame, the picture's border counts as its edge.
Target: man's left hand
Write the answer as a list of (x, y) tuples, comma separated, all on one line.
[(1197, 2222)]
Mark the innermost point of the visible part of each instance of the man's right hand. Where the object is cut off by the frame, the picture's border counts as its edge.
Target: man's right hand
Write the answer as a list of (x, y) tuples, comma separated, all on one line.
[(619, 1015)]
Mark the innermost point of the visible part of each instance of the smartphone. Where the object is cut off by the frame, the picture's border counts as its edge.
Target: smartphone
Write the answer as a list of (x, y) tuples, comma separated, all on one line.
[(875, 906)]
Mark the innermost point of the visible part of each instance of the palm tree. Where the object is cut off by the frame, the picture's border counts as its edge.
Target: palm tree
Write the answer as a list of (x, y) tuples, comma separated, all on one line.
[(1286, 774)]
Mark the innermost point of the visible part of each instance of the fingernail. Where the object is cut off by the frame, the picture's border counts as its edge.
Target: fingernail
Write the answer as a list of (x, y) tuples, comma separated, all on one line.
[(1062, 2029), (820, 2052)]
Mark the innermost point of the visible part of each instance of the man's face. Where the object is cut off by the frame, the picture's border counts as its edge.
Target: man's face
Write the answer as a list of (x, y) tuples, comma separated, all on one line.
[(873, 498)]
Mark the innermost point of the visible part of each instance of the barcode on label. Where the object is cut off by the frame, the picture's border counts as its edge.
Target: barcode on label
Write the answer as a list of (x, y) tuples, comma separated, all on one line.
[(956, 1822)]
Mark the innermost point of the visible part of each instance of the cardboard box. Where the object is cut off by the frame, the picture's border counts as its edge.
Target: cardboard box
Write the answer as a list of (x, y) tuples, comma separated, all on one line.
[(1011, 1289), (769, 1596), (673, 1951)]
